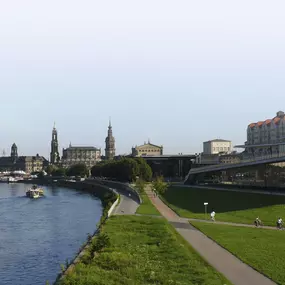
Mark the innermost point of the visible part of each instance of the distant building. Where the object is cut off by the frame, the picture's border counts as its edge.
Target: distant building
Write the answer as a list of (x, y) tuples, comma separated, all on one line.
[(217, 146), (147, 149), (207, 159), (28, 164), (264, 137), (230, 158), (54, 154), (88, 155), (110, 149)]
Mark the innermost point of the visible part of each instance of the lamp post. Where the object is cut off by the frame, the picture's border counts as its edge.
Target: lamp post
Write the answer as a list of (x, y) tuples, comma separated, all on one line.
[(206, 204)]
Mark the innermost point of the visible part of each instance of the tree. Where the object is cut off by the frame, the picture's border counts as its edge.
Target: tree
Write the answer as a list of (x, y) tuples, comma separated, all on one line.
[(145, 171), (50, 168), (159, 186), (59, 171), (78, 170), (140, 185)]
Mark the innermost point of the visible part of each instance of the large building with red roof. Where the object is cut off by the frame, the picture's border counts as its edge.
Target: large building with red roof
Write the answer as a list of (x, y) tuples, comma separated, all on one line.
[(264, 137)]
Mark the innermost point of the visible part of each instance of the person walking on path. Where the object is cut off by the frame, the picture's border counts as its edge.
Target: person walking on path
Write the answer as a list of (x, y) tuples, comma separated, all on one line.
[(213, 214), (279, 223)]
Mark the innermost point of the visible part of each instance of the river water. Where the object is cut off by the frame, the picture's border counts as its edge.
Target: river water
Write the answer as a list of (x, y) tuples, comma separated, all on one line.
[(36, 236)]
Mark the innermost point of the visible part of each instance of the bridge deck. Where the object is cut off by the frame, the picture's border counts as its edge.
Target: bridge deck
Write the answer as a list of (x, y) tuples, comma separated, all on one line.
[(252, 162)]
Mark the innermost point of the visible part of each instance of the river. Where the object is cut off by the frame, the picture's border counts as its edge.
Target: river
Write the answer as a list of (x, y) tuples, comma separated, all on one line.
[(36, 236)]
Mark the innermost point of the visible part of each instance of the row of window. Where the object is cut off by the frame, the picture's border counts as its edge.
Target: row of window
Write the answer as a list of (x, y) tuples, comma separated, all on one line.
[(221, 148), (148, 150)]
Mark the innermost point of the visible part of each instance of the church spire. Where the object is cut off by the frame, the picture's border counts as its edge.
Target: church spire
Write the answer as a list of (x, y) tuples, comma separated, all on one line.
[(54, 154), (110, 143)]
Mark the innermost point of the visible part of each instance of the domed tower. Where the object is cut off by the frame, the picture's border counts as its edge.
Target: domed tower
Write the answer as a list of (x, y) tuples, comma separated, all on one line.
[(14, 153), (110, 144)]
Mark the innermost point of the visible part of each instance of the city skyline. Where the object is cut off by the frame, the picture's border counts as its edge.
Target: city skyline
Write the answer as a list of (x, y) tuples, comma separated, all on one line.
[(177, 74)]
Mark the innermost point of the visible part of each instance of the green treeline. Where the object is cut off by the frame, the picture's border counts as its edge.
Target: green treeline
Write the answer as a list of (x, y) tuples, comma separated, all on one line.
[(124, 169)]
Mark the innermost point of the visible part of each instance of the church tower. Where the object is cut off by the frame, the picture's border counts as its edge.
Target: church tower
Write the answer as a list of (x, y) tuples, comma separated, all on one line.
[(54, 154), (110, 143), (14, 153)]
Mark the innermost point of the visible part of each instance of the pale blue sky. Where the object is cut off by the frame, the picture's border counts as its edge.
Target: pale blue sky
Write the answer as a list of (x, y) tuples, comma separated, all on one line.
[(177, 72)]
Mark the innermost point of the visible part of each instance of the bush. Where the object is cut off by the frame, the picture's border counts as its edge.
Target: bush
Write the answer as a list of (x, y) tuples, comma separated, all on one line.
[(159, 186)]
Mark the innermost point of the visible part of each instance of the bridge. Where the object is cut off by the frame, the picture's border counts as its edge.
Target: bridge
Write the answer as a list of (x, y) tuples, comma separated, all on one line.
[(267, 159)]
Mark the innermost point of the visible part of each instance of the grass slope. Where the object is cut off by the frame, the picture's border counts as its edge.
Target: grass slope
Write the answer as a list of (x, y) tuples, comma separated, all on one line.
[(147, 208), (238, 207), (260, 248), (134, 258)]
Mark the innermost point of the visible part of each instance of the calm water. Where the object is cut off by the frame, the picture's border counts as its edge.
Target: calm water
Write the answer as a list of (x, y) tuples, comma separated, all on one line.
[(36, 236)]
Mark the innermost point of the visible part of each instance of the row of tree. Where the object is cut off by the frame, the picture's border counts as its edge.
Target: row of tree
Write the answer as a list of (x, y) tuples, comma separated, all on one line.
[(124, 169), (75, 170)]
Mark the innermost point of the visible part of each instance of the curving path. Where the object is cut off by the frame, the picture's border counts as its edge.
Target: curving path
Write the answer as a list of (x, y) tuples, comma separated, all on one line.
[(231, 267), (128, 204)]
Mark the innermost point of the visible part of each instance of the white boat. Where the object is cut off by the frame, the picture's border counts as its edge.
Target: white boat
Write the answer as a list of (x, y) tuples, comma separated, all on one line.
[(11, 179), (31, 193), (34, 192)]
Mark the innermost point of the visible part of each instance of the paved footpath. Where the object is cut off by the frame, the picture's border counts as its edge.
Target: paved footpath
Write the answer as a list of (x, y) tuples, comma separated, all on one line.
[(223, 261), (231, 224)]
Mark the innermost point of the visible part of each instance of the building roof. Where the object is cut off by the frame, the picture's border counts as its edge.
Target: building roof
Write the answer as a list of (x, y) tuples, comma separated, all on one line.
[(218, 140), (30, 158), (276, 120), (149, 144), (81, 148)]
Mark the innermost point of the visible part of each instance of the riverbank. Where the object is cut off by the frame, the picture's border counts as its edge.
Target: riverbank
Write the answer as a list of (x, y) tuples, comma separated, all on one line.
[(109, 198), (135, 251)]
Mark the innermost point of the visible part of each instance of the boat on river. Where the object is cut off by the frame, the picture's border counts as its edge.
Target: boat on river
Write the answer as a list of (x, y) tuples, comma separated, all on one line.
[(35, 192)]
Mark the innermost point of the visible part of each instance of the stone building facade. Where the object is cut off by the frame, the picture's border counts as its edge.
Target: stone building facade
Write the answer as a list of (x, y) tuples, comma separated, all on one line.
[(217, 146), (230, 158), (88, 155), (29, 164), (147, 149), (265, 137)]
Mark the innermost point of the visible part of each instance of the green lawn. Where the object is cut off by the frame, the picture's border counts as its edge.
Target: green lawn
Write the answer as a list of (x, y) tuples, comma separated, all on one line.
[(260, 248), (147, 208), (229, 206), (135, 258)]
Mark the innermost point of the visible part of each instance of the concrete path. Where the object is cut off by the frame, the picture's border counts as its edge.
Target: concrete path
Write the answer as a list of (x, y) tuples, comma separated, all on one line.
[(223, 261), (231, 224), (128, 203)]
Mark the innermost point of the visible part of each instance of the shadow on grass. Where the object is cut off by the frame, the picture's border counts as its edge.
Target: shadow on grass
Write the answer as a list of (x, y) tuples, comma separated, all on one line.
[(192, 199)]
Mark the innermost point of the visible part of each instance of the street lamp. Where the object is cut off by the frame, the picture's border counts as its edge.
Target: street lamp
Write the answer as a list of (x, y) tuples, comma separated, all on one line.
[(205, 204)]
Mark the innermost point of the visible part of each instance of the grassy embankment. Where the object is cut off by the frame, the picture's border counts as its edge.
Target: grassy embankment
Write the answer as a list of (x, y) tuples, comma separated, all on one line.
[(146, 208), (262, 249), (141, 251), (237, 207)]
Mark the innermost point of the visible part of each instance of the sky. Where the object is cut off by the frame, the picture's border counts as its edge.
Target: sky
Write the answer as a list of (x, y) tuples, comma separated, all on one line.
[(175, 72)]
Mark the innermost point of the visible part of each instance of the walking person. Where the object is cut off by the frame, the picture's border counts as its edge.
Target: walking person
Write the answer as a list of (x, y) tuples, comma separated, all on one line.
[(258, 222), (279, 223), (213, 214)]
